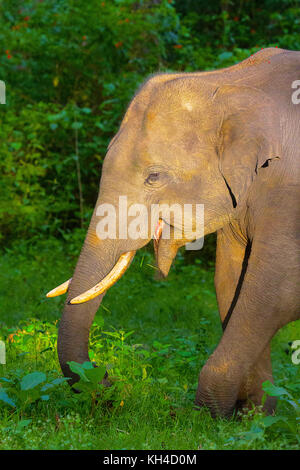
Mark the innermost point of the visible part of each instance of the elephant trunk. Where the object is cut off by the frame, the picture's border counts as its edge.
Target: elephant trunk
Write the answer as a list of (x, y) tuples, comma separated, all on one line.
[(100, 265), (96, 261)]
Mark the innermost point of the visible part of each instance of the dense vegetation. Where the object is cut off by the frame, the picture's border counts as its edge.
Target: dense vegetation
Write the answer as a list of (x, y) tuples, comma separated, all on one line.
[(153, 336), (71, 68)]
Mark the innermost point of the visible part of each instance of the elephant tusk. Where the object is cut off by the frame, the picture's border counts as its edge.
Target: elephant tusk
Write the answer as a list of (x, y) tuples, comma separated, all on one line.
[(59, 290), (112, 277)]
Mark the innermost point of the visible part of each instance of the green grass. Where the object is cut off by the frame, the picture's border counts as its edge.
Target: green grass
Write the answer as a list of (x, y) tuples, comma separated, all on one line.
[(154, 336)]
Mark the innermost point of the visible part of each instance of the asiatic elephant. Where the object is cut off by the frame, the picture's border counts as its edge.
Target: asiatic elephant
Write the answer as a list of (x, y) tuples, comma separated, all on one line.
[(228, 139)]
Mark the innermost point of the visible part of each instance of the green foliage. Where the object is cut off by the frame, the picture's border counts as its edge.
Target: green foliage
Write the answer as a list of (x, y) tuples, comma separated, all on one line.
[(71, 68), (38, 194), (289, 422), (90, 377), (151, 336), (285, 424), (19, 391)]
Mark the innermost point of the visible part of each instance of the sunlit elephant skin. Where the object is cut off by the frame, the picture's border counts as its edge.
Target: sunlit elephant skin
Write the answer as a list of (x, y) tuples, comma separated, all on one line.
[(228, 139)]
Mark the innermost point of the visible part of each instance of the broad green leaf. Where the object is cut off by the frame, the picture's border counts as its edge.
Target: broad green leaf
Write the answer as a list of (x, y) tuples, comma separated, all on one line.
[(5, 398), (254, 433), (59, 380), (96, 374), (274, 391), (83, 386), (87, 365), (32, 380), (80, 369), (4, 379), (54, 383), (270, 420)]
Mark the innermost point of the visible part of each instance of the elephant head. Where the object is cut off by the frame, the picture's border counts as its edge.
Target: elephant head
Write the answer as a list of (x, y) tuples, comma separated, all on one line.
[(183, 140)]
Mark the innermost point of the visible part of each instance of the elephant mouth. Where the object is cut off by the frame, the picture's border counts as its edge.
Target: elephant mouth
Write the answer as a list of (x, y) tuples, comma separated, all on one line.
[(158, 233), (112, 277)]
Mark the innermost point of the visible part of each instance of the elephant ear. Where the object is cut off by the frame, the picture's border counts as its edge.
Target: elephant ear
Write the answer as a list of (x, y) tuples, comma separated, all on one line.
[(249, 136)]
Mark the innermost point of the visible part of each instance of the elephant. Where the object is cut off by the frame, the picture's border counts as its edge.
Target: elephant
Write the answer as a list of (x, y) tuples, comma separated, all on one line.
[(228, 139)]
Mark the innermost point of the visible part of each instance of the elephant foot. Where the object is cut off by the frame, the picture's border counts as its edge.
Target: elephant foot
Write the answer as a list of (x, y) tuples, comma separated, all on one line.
[(217, 390), (221, 390), (228, 386), (251, 394)]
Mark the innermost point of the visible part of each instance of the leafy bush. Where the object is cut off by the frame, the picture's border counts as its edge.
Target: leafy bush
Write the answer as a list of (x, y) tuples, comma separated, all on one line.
[(71, 68), (20, 391), (286, 425)]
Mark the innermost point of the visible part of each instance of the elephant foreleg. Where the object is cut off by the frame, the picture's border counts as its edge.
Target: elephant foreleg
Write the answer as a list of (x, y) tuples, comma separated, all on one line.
[(231, 263), (251, 392), (231, 258), (241, 362)]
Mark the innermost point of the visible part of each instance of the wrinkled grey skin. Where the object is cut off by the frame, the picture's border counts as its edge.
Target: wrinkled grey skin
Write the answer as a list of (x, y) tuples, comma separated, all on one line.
[(228, 139)]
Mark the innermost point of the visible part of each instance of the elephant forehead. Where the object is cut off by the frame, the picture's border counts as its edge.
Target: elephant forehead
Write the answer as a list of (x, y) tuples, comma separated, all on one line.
[(178, 115), (187, 104), (168, 122), (178, 128)]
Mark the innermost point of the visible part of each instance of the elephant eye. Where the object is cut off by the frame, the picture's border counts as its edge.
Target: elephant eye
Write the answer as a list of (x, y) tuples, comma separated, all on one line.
[(152, 178)]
